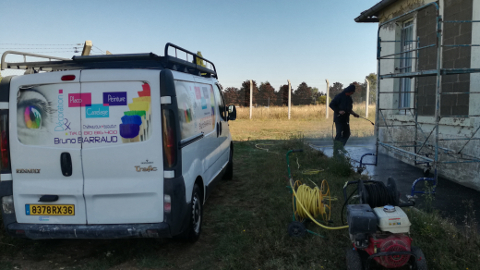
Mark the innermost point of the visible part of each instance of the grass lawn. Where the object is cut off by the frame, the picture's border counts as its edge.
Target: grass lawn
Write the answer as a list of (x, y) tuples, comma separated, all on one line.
[(246, 219)]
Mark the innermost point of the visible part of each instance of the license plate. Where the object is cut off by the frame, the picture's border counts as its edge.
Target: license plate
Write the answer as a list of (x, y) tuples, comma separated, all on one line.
[(50, 210)]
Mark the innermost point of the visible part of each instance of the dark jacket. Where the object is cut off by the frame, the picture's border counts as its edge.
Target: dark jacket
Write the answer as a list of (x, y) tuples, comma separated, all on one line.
[(342, 102)]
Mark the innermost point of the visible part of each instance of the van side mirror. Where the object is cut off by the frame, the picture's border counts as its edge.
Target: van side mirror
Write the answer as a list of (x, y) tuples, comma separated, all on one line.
[(232, 112)]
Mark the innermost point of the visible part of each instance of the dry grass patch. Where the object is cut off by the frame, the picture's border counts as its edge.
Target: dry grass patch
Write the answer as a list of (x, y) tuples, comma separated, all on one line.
[(273, 124)]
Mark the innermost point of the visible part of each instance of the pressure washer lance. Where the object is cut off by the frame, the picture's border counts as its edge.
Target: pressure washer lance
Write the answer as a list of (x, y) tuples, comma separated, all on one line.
[(373, 124), (362, 118)]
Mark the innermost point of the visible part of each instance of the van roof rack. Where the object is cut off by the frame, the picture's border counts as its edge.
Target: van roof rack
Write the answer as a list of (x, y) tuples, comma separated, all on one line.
[(142, 61)]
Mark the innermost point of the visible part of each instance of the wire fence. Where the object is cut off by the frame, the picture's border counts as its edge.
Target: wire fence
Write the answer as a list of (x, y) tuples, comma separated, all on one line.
[(262, 102)]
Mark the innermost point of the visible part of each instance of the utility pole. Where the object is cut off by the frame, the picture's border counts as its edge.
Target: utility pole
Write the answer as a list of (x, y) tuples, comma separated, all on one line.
[(289, 98), (251, 97), (327, 100), (368, 97)]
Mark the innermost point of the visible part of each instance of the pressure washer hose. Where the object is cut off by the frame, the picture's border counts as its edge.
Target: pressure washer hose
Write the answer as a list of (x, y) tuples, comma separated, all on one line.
[(314, 200), (307, 213), (306, 196)]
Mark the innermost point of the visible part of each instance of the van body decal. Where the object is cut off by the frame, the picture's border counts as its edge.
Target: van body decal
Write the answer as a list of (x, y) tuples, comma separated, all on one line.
[(43, 114), (79, 99), (145, 169), (62, 114), (135, 126), (115, 99), (97, 111), (28, 170)]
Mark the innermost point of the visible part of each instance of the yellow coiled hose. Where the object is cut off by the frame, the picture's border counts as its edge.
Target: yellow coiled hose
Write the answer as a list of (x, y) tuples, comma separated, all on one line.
[(313, 202)]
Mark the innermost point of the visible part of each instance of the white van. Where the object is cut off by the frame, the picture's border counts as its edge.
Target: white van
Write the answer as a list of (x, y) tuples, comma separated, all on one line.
[(111, 146)]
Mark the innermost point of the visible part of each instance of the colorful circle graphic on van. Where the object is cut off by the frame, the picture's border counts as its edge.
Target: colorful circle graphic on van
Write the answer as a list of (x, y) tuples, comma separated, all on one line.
[(33, 117)]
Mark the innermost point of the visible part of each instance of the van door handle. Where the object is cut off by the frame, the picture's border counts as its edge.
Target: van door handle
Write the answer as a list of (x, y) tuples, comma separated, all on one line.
[(48, 198), (218, 129), (66, 164)]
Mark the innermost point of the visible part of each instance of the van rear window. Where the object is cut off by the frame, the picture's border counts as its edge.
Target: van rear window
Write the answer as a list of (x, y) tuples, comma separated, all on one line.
[(196, 108)]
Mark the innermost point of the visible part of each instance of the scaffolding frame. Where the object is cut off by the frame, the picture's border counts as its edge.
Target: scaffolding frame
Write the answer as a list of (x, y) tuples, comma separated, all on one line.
[(418, 145)]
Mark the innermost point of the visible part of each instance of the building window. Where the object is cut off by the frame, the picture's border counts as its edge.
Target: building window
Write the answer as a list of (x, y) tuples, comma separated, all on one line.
[(407, 44)]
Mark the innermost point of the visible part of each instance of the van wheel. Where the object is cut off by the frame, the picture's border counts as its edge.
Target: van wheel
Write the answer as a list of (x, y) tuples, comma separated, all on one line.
[(229, 172), (195, 215)]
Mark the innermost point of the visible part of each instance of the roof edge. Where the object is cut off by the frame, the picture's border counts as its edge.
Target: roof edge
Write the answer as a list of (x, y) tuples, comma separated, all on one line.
[(366, 16)]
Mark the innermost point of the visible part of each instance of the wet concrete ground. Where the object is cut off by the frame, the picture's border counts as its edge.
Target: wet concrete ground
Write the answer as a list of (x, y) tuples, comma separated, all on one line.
[(449, 199)]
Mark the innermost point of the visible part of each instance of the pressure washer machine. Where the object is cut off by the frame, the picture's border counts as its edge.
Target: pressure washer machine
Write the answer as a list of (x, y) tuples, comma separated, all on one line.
[(379, 229)]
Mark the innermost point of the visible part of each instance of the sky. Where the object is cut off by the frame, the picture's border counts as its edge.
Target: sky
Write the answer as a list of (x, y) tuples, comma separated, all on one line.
[(275, 41)]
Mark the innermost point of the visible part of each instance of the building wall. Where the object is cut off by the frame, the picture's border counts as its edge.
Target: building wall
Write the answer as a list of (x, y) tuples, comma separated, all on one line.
[(456, 57), (474, 107), (426, 30), (401, 131)]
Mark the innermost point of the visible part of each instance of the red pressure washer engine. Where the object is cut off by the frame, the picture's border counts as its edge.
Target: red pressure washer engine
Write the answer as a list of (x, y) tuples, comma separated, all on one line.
[(382, 233)]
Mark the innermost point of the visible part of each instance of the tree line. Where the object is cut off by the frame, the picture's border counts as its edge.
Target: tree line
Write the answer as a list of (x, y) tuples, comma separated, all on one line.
[(266, 95)]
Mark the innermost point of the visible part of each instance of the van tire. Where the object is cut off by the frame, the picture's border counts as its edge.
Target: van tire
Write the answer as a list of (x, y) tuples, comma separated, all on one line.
[(195, 216), (229, 171)]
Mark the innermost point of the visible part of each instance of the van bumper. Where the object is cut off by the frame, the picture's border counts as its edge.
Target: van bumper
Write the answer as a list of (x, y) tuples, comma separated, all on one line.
[(54, 231)]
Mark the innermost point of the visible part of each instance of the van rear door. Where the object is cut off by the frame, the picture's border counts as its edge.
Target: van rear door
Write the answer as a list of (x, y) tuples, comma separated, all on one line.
[(122, 146), (45, 153)]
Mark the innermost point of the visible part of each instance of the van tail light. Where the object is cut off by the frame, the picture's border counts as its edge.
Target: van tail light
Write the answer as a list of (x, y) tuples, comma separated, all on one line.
[(68, 77), (167, 203), (169, 143), (7, 205), (4, 143)]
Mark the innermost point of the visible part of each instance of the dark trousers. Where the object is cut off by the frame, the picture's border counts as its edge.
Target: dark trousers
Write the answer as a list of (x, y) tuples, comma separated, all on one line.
[(343, 131)]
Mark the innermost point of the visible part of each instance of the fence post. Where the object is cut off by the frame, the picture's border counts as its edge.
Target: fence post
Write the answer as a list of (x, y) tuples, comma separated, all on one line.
[(367, 98), (289, 98), (328, 99), (251, 96)]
